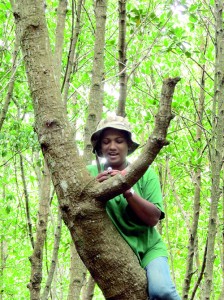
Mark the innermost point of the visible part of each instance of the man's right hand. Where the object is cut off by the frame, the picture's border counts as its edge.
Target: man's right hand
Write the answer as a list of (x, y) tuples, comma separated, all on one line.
[(103, 176), (109, 173)]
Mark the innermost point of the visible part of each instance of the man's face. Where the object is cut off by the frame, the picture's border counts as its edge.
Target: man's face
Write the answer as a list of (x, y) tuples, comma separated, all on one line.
[(114, 147)]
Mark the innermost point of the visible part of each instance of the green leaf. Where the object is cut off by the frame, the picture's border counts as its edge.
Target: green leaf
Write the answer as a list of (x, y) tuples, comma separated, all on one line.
[(8, 209)]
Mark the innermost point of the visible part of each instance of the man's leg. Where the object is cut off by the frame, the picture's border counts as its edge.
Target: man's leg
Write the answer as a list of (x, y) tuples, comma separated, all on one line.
[(160, 284)]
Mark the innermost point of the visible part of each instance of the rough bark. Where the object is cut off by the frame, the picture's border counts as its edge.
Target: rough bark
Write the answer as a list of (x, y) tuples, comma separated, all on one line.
[(217, 146), (82, 198), (54, 259), (77, 275), (192, 242), (3, 249), (26, 196), (61, 16), (122, 58), (37, 256), (45, 182), (222, 244), (95, 107), (89, 291), (75, 30), (96, 90), (3, 258), (3, 253), (11, 84)]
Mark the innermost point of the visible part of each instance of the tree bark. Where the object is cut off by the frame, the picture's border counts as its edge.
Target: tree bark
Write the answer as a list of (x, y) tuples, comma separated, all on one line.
[(11, 84), (61, 16), (37, 256), (3, 254), (75, 30), (122, 58), (82, 198), (222, 244), (192, 242), (77, 275), (96, 90), (54, 259), (217, 146), (89, 291), (28, 218)]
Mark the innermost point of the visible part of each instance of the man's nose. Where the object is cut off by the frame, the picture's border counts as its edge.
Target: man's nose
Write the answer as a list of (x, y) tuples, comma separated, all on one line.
[(112, 145)]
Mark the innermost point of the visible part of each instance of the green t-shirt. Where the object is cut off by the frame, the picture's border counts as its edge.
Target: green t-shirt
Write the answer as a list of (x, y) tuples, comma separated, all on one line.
[(145, 241)]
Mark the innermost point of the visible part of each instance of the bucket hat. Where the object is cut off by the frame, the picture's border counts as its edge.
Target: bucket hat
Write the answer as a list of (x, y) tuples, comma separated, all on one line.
[(116, 122)]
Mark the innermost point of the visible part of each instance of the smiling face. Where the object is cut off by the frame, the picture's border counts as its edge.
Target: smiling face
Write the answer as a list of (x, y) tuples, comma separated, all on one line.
[(114, 147)]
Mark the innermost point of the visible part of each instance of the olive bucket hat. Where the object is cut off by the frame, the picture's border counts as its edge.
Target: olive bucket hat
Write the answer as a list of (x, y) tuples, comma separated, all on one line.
[(116, 122)]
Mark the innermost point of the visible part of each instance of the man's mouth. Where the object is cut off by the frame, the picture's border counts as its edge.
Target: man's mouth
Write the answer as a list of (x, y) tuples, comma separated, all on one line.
[(112, 155)]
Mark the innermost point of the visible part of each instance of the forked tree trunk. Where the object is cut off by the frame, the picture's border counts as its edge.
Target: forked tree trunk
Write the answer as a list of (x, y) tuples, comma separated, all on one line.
[(81, 198)]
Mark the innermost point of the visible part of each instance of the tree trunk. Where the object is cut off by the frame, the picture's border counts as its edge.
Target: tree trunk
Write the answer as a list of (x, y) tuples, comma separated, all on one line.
[(196, 177), (217, 146), (54, 259), (75, 30), (89, 291), (96, 90), (29, 222), (77, 275), (61, 16), (11, 84), (37, 256), (82, 198), (122, 58), (222, 244)]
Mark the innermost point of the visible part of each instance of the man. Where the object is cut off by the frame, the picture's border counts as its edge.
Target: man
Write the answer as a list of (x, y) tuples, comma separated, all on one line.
[(135, 212)]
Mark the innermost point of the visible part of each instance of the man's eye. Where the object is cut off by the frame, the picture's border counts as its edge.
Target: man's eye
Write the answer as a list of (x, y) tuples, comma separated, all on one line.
[(105, 142), (119, 141)]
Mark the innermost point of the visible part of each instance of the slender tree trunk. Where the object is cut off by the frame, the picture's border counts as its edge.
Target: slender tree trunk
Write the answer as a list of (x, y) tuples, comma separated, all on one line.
[(3, 257), (76, 16), (11, 83), (96, 90), (192, 243), (122, 58), (95, 107), (29, 222), (37, 256), (217, 146), (54, 259), (77, 275), (59, 41), (3, 252), (89, 291), (222, 244)]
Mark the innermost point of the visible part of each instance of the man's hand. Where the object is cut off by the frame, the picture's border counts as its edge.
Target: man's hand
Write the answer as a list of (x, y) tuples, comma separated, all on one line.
[(109, 173)]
